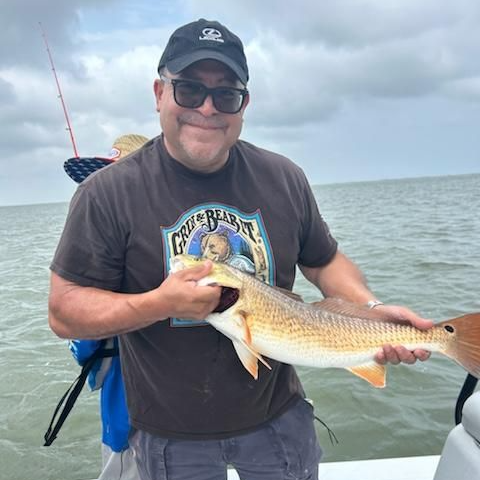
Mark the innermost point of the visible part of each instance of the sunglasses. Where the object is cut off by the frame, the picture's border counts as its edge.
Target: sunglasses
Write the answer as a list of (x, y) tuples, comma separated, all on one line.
[(190, 94)]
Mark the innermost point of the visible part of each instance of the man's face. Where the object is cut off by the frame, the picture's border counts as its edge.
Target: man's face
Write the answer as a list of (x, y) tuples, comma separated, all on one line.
[(200, 138)]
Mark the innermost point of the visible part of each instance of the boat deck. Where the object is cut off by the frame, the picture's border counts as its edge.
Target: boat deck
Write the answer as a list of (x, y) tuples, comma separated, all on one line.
[(405, 468)]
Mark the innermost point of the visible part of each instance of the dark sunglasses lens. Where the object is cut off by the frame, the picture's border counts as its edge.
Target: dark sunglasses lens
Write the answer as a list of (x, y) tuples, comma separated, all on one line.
[(189, 94), (192, 95), (227, 100)]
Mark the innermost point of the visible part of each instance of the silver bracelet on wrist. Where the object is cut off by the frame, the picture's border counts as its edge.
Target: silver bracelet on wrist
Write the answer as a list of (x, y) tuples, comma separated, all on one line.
[(374, 303)]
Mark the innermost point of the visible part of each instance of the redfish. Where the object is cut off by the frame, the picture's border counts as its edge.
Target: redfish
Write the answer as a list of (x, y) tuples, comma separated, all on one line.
[(272, 322)]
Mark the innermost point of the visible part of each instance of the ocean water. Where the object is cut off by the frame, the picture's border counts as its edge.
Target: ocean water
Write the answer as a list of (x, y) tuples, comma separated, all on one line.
[(418, 243)]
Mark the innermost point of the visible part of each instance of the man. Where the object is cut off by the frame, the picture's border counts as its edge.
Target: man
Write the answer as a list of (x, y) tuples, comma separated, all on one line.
[(192, 405)]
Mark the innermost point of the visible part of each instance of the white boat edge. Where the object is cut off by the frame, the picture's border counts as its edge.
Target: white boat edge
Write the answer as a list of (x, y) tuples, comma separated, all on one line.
[(402, 468), (460, 458)]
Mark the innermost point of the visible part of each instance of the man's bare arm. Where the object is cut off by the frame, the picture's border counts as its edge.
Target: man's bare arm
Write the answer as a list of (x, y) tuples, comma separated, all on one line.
[(340, 278), (92, 313)]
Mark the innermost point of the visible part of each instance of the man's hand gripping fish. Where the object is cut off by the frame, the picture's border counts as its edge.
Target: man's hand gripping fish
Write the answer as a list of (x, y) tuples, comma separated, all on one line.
[(270, 321)]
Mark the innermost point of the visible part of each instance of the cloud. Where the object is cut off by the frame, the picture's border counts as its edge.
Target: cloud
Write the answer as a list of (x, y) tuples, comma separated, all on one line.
[(7, 93), (110, 91), (329, 52), (312, 65), (345, 24), (105, 76), (467, 89), (19, 27)]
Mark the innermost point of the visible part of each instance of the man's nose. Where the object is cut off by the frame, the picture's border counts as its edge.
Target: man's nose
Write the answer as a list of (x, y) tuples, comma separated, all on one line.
[(207, 107)]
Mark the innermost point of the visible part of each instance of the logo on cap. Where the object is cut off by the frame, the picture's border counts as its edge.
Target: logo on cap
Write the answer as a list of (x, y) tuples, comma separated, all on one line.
[(211, 34), (115, 153)]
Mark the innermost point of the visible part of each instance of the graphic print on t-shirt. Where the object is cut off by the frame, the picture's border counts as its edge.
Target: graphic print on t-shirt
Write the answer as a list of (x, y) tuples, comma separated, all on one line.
[(224, 234)]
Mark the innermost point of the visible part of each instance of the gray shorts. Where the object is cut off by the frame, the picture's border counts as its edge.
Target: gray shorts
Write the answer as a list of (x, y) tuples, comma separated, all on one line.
[(284, 449)]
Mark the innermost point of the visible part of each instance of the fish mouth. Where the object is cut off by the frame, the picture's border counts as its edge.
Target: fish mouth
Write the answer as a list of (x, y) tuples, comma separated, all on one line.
[(228, 298), (176, 265)]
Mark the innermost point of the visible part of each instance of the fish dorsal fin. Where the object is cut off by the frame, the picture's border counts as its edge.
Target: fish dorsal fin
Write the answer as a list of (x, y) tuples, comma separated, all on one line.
[(373, 373), (288, 293), (348, 309)]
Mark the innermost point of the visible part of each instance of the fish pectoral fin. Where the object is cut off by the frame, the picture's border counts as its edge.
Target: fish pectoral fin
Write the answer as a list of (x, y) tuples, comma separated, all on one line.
[(249, 361), (240, 318), (373, 373), (246, 338), (249, 357)]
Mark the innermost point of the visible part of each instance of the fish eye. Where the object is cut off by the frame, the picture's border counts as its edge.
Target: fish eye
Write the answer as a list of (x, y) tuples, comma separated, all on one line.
[(449, 328)]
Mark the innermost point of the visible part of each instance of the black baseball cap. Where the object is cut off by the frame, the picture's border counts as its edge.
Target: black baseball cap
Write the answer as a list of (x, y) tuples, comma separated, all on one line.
[(201, 40)]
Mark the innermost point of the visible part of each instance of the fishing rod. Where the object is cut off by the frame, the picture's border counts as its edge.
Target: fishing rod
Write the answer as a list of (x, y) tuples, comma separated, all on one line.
[(69, 127)]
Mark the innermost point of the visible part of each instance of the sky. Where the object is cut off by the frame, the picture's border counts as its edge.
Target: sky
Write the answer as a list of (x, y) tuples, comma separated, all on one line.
[(350, 90)]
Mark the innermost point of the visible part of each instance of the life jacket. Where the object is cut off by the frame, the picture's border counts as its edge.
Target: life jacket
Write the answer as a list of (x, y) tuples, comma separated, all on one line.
[(83, 350)]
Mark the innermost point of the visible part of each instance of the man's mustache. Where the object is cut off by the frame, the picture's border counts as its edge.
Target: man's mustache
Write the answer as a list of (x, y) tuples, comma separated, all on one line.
[(196, 119)]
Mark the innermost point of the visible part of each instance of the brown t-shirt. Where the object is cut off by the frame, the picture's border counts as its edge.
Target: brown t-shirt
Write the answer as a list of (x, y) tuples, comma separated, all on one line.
[(183, 378)]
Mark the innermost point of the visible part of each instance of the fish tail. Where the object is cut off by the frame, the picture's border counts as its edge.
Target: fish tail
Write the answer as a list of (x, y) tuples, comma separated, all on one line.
[(464, 346)]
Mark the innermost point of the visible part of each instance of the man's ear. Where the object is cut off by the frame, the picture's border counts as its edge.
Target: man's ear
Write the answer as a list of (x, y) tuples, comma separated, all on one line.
[(158, 87)]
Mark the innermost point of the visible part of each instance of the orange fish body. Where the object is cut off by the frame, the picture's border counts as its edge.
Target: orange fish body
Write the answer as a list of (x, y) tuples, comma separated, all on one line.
[(275, 323)]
